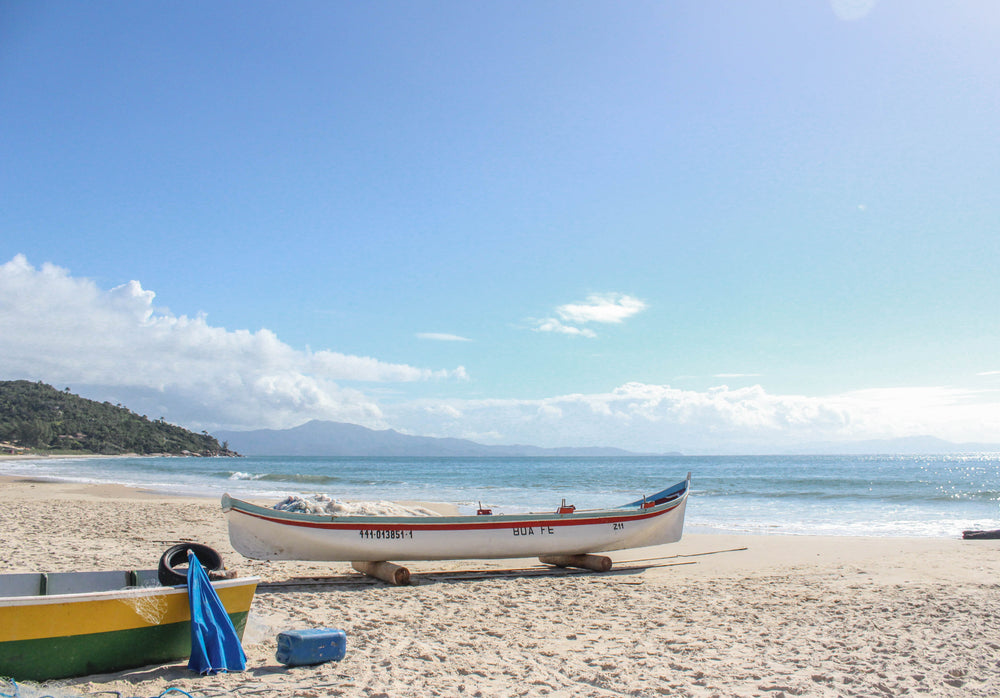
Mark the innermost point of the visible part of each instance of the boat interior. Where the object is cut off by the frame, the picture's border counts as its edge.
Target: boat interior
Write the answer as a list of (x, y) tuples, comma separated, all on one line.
[(53, 583)]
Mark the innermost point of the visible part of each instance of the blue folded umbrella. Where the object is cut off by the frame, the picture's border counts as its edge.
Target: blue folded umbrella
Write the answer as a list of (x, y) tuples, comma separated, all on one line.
[(215, 646)]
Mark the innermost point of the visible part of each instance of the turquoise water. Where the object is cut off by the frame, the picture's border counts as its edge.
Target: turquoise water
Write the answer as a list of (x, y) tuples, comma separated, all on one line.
[(937, 496)]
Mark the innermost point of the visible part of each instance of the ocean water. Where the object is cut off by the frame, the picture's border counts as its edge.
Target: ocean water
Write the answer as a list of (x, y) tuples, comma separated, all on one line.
[(936, 496)]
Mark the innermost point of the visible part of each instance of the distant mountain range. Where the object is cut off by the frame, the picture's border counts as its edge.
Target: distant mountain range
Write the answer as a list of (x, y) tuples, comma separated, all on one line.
[(319, 438)]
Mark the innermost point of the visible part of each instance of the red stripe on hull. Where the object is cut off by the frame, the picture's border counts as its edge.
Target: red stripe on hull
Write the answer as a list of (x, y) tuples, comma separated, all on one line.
[(417, 526)]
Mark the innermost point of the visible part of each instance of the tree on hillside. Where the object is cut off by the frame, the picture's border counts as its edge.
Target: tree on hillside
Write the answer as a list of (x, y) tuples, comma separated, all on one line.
[(37, 416)]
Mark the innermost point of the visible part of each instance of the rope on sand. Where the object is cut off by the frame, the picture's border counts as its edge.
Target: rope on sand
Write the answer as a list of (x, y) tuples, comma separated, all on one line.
[(671, 557), (499, 572)]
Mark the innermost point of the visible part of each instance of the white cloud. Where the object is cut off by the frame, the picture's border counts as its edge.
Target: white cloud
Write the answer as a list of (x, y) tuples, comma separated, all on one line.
[(442, 337), (117, 345), (657, 418), (850, 10), (553, 325), (954, 414), (605, 308), (363, 368)]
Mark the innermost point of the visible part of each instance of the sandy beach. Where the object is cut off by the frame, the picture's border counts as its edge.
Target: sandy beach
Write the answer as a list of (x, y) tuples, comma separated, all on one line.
[(714, 615)]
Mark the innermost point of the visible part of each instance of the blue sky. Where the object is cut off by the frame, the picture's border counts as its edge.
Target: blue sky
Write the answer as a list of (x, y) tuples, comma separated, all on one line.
[(697, 226)]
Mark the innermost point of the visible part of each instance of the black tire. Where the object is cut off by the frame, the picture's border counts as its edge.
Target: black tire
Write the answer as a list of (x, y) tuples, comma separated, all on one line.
[(178, 554)]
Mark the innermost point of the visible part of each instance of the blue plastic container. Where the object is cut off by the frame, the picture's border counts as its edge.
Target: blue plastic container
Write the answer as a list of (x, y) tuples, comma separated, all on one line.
[(300, 647)]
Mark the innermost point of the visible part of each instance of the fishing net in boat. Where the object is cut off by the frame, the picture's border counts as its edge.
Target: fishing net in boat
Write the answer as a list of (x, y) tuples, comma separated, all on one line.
[(322, 504), (150, 607)]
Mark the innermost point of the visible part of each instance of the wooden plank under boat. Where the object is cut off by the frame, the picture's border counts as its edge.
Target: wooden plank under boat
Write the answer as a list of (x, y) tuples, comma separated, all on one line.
[(63, 624), (265, 533)]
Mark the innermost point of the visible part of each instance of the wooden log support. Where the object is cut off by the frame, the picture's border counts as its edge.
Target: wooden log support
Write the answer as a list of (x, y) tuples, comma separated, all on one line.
[(386, 571), (598, 563), (980, 535)]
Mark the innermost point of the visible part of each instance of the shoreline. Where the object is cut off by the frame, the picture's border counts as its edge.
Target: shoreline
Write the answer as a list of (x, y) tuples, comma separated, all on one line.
[(46, 456), (767, 551), (81, 488), (712, 615), (890, 497)]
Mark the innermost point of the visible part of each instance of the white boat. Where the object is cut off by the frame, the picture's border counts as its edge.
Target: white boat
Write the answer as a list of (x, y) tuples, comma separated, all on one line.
[(264, 533)]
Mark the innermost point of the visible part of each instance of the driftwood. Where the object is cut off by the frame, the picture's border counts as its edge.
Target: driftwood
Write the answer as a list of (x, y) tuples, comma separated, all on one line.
[(598, 563), (980, 535), (386, 571)]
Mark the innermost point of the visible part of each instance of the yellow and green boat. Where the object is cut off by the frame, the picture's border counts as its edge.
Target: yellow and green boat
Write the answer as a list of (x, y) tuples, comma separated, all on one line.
[(63, 624)]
